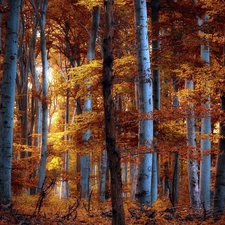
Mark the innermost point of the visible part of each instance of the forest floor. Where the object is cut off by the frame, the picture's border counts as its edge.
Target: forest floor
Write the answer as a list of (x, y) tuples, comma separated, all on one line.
[(33, 210)]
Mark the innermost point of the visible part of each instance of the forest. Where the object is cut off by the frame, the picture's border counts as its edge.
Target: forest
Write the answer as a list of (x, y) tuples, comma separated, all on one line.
[(112, 112)]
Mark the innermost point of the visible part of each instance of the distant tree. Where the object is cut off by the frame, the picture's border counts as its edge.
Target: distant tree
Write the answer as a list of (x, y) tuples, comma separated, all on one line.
[(85, 159), (41, 17), (8, 87)]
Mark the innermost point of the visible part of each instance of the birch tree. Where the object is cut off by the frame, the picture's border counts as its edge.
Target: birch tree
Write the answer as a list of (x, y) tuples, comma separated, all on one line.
[(191, 143), (145, 103), (8, 86), (205, 164)]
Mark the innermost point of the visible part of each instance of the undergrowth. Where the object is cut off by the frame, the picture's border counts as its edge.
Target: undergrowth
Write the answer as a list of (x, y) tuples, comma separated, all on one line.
[(55, 211)]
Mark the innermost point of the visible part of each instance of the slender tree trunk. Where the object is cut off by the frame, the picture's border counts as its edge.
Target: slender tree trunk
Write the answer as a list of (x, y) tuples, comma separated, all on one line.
[(42, 22), (205, 165), (192, 162), (175, 181), (44, 61), (22, 87), (219, 195), (156, 93), (175, 156), (36, 108), (7, 100), (103, 176), (110, 133), (219, 188), (64, 185), (85, 159), (144, 80), (94, 33)]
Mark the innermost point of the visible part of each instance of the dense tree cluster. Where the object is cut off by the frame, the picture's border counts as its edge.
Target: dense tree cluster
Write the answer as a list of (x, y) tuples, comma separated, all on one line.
[(123, 99)]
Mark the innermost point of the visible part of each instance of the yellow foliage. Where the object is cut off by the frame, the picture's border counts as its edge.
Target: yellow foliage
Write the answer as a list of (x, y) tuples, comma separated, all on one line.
[(54, 164)]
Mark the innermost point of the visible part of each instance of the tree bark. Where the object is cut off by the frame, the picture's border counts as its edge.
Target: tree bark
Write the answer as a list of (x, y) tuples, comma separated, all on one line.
[(94, 33), (144, 80), (85, 160), (205, 164), (44, 61), (22, 86), (110, 133), (1, 1), (156, 93), (42, 22), (192, 162), (7, 100), (219, 188), (103, 176)]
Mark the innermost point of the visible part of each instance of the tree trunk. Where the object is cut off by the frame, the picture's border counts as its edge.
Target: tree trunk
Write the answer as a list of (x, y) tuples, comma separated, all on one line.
[(103, 176), (205, 165), (94, 33), (192, 162), (36, 112), (42, 22), (156, 93), (144, 79), (64, 185), (219, 195), (85, 159), (22, 87), (85, 176), (175, 181), (110, 133), (175, 156), (219, 188), (7, 100), (44, 61), (1, 27)]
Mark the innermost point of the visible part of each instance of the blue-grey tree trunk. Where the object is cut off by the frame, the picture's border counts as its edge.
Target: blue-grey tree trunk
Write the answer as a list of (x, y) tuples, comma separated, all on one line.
[(94, 33), (103, 176), (8, 86), (205, 165), (145, 86), (156, 93), (191, 144)]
